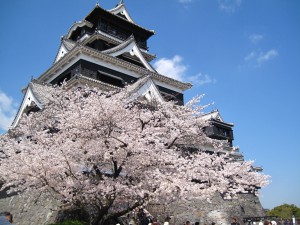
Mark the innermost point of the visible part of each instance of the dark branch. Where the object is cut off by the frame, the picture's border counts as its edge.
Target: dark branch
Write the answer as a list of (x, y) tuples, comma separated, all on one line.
[(117, 170), (172, 143)]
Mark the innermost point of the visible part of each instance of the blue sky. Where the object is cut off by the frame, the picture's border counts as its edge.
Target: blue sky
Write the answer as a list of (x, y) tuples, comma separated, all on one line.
[(243, 54)]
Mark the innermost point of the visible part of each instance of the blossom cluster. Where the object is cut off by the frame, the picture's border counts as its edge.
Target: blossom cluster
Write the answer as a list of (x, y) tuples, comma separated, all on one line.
[(100, 149)]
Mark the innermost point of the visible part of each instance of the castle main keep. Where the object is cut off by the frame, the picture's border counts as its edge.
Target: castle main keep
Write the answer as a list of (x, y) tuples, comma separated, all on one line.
[(108, 50)]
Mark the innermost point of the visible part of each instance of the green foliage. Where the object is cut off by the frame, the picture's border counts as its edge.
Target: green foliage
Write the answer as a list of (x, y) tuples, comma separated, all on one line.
[(285, 211), (70, 222)]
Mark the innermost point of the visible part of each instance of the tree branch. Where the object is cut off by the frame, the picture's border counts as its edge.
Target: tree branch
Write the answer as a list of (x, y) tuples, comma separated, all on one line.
[(172, 143), (121, 213)]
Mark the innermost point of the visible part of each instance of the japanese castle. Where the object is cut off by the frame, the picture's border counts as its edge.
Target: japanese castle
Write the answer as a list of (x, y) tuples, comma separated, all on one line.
[(108, 50)]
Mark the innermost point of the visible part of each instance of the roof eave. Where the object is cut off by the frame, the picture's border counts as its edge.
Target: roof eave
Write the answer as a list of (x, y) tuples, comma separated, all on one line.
[(97, 7), (80, 49)]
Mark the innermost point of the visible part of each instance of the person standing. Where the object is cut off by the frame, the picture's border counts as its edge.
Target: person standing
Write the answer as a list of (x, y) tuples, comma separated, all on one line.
[(167, 220), (6, 218), (155, 222), (234, 221)]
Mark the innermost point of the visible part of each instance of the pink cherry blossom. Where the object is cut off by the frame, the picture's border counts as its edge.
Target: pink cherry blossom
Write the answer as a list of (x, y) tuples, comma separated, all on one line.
[(100, 150)]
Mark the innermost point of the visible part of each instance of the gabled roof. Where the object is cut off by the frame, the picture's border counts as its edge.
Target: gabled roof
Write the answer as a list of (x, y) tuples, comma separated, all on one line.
[(215, 116), (145, 87), (131, 47), (36, 94), (103, 36), (65, 46), (120, 9)]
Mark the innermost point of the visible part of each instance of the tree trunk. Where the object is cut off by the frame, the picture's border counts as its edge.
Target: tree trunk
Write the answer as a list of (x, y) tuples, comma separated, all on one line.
[(105, 218)]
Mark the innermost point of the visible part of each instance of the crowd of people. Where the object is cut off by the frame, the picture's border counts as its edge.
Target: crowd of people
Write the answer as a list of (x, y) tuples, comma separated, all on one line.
[(273, 222), (153, 221), (234, 222), (143, 217)]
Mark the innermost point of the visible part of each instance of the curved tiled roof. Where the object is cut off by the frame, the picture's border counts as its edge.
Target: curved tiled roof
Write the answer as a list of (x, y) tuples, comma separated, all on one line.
[(79, 24), (68, 44), (116, 41), (145, 87), (109, 12), (36, 92), (134, 48), (215, 116), (43, 92), (140, 82), (92, 82), (120, 46), (80, 49)]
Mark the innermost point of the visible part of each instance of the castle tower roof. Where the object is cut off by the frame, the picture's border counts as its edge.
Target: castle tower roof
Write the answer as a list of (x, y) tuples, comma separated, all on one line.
[(123, 19), (120, 10)]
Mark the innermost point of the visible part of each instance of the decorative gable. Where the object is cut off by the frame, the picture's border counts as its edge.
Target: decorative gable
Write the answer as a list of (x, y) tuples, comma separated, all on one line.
[(35, 97), (65, 47), (146, 88), (61, 52), (120, 10), (29, 101), (215, 115), (129, 46)]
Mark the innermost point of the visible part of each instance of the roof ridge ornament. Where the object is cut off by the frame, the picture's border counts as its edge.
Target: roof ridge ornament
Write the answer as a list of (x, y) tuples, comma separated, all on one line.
[(120, 3)]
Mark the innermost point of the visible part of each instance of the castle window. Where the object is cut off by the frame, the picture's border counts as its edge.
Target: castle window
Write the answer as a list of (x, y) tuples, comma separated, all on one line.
[(110, 79)]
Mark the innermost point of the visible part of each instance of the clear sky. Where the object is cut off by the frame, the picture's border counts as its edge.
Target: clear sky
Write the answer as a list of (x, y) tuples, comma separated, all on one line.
[(243, 54)]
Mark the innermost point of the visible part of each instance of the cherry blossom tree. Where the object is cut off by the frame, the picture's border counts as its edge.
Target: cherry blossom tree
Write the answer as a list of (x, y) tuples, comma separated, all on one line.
[(111, 152)]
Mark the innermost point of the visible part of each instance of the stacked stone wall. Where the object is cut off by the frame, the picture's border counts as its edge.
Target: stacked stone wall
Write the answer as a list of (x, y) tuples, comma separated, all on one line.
[(219, 210), (43, 210), (29, 210)]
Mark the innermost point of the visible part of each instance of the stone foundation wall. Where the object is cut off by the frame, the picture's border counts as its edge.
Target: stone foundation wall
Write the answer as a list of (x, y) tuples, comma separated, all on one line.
[(44, 210), (29, 210), (219, 210)]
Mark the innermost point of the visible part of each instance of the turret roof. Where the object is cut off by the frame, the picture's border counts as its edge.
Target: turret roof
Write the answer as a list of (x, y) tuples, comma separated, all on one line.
[(215, 116)]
